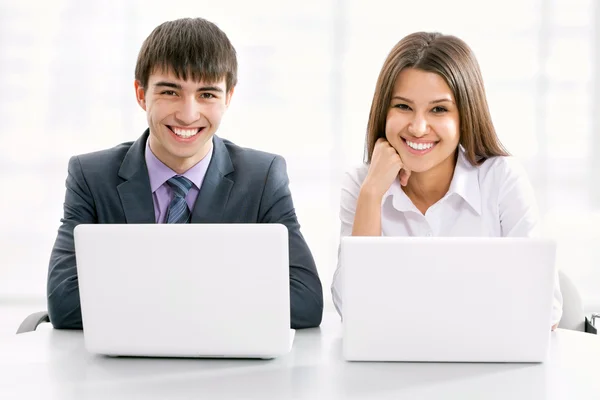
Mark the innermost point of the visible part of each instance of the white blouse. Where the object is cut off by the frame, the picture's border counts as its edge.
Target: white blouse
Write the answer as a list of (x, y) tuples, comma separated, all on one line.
[(493, 199)]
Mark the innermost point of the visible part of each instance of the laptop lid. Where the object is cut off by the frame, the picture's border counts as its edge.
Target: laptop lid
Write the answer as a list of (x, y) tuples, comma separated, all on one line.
[(447, 299), (184, 290)]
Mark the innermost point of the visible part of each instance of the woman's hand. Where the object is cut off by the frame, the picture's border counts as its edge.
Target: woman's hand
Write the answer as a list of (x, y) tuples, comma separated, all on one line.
[(386, 166)]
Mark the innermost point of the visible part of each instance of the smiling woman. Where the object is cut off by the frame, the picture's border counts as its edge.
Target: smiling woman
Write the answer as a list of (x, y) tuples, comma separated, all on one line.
[(423, 118), (434, 164)]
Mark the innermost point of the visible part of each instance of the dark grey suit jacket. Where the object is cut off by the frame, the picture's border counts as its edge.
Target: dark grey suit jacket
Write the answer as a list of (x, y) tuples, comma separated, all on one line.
[(240, 186)]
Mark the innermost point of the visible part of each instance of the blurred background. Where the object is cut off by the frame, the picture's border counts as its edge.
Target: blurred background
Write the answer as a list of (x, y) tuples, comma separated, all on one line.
[(307, 72)]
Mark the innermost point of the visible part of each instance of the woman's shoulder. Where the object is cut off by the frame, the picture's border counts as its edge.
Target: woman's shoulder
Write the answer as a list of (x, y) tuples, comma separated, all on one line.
[(354, 177), (501, 168), (357, 172)]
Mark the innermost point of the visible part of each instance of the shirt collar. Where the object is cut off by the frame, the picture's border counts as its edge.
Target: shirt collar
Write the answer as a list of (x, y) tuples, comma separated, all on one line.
[(465, 183), (400, 200), (159, 173)]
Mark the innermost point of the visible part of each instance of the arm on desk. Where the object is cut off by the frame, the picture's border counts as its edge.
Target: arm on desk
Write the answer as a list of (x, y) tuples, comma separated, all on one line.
[(306, 293), (63, 288), (519, 217)]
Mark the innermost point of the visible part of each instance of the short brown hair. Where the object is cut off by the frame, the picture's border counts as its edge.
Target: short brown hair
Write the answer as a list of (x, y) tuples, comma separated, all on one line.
[(453, 60), (186, 47)]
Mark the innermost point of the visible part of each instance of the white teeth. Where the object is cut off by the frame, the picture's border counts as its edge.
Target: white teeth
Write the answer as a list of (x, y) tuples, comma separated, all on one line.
[(419, 146), (185, 133)]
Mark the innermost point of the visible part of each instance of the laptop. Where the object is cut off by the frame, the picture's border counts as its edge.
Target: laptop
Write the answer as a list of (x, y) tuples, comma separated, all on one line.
[(184, 290), (446, 299)]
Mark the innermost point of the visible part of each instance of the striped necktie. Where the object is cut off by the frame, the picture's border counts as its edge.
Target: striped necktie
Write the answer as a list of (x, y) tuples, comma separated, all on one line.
[(178, 212)]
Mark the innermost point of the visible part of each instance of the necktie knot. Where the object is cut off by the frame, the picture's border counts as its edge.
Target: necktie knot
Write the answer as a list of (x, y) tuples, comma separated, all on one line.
[(178, 212), (180, 185)]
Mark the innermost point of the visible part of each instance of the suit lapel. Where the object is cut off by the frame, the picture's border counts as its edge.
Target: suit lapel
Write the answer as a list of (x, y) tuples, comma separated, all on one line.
[(135, 192), (214, 193)]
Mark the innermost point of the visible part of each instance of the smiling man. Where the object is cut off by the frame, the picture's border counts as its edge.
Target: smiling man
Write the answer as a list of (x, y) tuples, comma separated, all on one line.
[(185, 77)]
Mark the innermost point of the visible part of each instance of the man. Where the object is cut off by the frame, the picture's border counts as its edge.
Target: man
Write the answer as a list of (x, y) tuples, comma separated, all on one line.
[(179, 171)]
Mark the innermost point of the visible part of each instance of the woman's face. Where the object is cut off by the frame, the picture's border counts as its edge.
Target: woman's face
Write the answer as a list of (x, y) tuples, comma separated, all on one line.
[(422, 122)]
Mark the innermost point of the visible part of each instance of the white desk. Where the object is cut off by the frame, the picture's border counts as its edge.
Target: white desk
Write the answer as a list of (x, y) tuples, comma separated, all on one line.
[(50, 364)]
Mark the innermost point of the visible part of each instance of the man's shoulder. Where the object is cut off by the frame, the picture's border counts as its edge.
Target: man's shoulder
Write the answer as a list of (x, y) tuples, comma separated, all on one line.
[(105, 157), (100, 167), (249, 158)]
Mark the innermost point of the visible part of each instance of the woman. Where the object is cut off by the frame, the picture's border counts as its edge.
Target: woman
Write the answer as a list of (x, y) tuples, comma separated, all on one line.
[(434, 163)]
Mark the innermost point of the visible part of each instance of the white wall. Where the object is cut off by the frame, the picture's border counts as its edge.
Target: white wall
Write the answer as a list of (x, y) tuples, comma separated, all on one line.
[(307, 75)]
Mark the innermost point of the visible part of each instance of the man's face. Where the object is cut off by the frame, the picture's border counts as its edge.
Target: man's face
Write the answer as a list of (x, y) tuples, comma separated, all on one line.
[(182, 116)]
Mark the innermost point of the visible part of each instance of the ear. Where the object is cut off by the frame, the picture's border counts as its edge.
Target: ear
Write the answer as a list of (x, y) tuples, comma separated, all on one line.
[(140, 94), (228, 96)]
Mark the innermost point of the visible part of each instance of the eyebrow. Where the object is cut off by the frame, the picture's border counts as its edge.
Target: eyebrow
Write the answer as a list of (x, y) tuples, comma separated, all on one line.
[(431, 102), (177, 86)]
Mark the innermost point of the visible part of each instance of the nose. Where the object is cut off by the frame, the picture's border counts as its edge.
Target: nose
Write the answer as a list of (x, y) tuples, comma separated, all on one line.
[(418, 126), (189, 111)]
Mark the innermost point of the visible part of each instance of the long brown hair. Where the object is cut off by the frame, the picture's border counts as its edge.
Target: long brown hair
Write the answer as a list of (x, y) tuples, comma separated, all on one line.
[(453, 60)]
